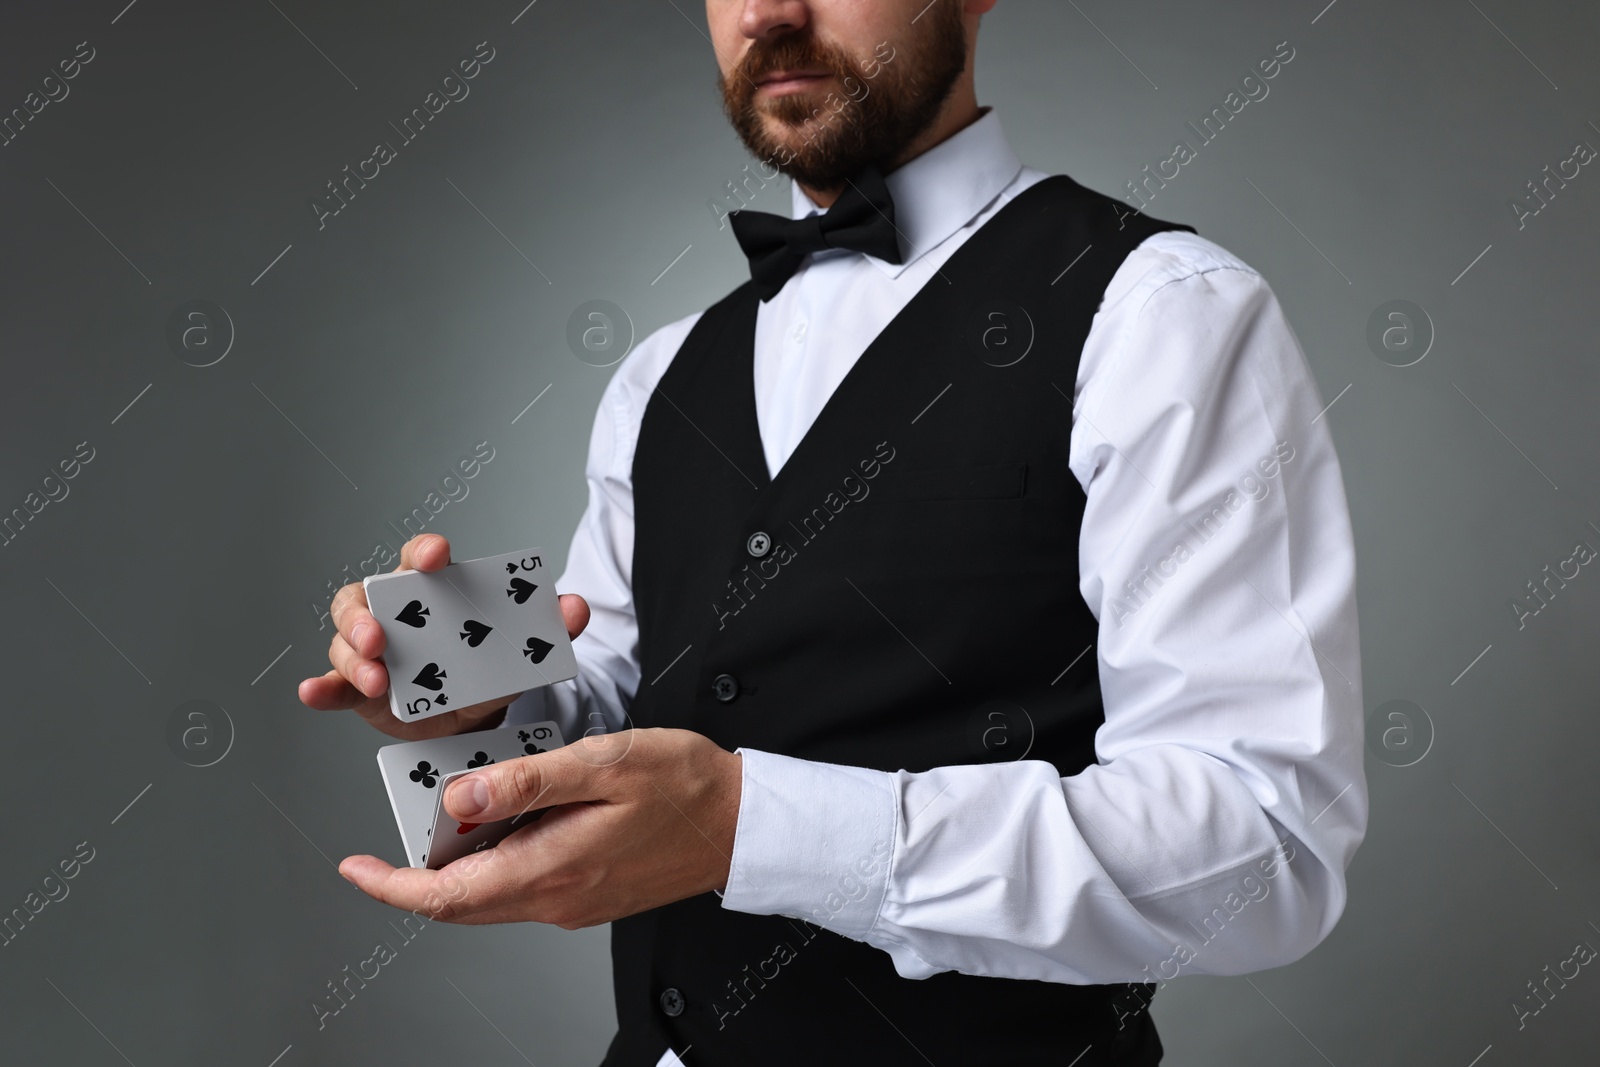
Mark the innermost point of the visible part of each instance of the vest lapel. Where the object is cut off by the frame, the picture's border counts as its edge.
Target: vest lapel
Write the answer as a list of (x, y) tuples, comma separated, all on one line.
[(876, 367)]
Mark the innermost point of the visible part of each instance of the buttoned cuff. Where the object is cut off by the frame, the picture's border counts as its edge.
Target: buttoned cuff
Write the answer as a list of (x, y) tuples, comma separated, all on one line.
[(814, 841)]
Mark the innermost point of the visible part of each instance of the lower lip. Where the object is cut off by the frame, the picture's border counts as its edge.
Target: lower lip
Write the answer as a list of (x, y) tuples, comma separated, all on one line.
[(791, 85)]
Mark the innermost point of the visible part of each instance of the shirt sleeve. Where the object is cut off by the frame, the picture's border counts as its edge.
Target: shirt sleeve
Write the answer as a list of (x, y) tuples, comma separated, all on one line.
[(600, 557), (1213, 832)]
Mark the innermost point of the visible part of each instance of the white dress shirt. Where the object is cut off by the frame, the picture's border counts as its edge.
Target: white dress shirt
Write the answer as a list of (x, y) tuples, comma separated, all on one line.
[(1216, 553)]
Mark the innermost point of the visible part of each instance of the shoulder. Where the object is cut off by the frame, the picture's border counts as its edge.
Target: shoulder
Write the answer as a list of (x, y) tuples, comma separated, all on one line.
[(622, 404), (1181, 261), (1175, 281), (1163, 261), (642, 368)]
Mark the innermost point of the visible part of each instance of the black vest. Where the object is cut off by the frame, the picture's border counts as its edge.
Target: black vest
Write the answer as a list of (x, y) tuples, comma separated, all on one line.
[(912, 602)]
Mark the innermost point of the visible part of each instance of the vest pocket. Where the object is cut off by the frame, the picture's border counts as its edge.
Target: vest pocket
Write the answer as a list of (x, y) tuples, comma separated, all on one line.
[(990, 481)]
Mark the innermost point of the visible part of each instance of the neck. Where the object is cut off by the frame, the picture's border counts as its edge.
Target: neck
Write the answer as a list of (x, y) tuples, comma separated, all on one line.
[(959, 112)]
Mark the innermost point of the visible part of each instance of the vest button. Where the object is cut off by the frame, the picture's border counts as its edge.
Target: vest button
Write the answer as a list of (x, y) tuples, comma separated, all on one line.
[(725, 686), (759, 544), (672, 1002)]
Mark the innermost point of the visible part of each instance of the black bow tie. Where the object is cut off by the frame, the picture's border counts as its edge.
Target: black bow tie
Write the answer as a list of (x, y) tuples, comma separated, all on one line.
[(861, 219)]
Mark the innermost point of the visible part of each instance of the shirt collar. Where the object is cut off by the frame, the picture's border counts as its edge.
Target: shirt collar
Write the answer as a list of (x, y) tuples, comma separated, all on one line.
[(940, 191)]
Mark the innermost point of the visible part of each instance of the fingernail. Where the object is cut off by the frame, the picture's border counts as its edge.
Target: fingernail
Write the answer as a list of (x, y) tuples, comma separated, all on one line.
[(469, 796), (359, 635)]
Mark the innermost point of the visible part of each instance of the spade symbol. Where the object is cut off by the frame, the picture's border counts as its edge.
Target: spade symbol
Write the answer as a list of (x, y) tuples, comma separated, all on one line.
[(412, 614), (429, 677), (537, 650), (473, 632), (520, 590), (441, 700), (511, 568)]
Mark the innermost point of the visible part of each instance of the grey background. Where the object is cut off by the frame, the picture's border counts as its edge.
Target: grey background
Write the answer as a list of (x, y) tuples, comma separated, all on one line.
[(375, 352)]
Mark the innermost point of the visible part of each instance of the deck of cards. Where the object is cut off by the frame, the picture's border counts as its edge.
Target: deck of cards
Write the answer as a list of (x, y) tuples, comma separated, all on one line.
[(416, 772), (472, 632)]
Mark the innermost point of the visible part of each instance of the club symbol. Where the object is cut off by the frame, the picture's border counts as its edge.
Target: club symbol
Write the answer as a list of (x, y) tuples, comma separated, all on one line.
[(429, 677), (412, 614), (520, 590), (473, 632), (522, 735), (479, 759), (426, 773), (537, 650), (532, 749)]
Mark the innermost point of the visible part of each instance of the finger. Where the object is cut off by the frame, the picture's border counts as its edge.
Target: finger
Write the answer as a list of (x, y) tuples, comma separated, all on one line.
[(461, 890), (509, 788), (520, 879), (408, 888), (498, 881), (368, 676), (425, 552), (575, 612), (329, 692), (354, 620)]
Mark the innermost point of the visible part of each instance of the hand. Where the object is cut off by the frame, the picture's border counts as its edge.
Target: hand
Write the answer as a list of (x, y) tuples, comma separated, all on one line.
[(359, 681), (637, 819)]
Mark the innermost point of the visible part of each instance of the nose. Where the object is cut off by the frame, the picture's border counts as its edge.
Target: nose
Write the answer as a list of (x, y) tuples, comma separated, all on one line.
[(767, 18)]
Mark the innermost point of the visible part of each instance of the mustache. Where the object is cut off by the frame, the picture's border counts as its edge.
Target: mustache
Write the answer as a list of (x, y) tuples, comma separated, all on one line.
[(791, 52)]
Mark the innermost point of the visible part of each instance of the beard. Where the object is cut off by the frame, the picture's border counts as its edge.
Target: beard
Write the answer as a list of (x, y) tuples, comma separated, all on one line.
[(864, 120)]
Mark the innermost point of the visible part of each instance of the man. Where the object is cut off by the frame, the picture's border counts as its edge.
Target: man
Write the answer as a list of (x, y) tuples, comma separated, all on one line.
[(877, 804)]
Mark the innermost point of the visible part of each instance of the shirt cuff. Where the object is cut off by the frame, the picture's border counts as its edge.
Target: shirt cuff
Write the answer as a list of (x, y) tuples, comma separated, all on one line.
[(814, 841)]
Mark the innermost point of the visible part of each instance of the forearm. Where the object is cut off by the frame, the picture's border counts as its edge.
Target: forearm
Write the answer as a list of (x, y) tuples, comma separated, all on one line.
[(1161, 864)]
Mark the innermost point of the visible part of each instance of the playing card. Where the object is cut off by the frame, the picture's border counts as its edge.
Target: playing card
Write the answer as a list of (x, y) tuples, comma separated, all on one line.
[(516, 594), (476, 631), (414, 772), (450, 840)]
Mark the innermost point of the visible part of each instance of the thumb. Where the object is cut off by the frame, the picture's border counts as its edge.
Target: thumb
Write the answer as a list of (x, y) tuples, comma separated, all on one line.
[(512, 787), (424, 552), (574, 612)]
